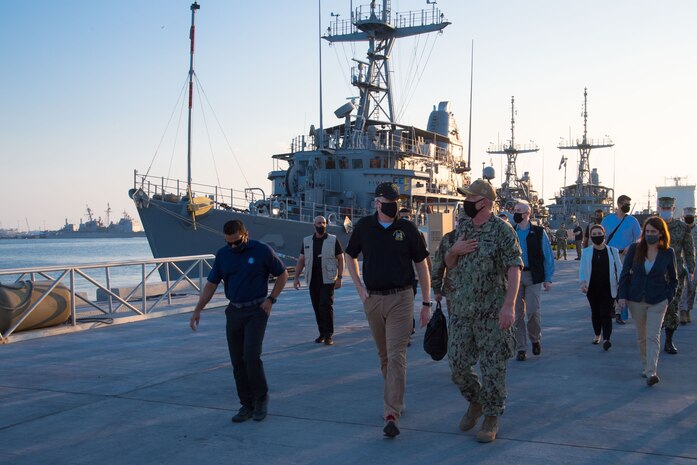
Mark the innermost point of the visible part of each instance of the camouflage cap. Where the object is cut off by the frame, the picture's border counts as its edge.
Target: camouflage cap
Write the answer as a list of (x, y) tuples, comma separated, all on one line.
[(479, 188), (688, 211), (666, 202)]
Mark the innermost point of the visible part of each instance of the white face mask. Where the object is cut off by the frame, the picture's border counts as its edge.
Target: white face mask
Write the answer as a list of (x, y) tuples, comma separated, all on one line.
[(666, 214)]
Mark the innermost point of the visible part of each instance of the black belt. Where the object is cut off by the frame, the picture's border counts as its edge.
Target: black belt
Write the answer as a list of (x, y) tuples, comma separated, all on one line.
[(526, 268), (391, 291), (251, 303)]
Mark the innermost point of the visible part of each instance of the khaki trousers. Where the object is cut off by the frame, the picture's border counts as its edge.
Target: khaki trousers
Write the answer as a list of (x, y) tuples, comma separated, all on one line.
[(390, 320), (648, 319), (527, 302)]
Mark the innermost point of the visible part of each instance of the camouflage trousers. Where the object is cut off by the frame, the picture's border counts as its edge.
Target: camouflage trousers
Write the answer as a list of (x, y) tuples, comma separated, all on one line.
[(688, 296), (472, 340), (672, 318)]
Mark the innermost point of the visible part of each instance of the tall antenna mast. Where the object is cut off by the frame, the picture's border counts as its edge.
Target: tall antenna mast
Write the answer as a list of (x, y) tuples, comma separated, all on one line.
[(321, 119), (194, 6), (374, 23), (584, 147), (469, 136), (511, 150)]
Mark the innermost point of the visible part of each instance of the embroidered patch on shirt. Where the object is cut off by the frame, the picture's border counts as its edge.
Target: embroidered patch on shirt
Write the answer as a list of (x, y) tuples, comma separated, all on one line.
[(398, 235), (251, 260)]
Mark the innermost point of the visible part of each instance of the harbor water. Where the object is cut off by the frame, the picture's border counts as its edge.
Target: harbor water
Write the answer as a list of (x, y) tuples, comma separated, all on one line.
[(36, 253)]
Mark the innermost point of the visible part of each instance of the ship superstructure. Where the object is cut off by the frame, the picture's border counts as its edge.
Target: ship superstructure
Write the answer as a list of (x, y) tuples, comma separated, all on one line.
[(580, 200)]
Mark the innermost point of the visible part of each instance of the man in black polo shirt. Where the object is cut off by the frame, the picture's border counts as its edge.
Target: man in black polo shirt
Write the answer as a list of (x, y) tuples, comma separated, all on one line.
[(324, 257), (389, 246), (244, 266)]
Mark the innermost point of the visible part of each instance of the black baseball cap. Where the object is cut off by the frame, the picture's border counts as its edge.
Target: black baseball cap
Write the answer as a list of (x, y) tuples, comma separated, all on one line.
[(388, 190)]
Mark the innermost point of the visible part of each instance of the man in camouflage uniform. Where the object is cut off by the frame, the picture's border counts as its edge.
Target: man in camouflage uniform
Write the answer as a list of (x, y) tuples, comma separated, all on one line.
[(484, 265), (441, 281), (684, 247), (688, 297), (560, 237)]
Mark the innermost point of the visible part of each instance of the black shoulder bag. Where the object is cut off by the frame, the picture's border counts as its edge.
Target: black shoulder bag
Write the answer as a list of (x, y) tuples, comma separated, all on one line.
[(612, 234), (436, 336)]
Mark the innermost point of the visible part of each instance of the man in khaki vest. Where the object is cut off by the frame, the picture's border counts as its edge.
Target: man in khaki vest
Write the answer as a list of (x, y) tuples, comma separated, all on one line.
[(322, 258)]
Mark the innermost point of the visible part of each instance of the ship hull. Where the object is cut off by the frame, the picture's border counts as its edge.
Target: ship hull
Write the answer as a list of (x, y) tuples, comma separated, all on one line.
[(171, 233)]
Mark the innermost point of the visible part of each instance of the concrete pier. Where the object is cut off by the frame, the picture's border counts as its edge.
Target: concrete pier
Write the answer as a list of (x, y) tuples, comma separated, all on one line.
[(153, 391)]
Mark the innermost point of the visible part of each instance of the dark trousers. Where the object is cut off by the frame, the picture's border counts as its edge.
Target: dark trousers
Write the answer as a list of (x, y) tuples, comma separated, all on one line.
[(245, 334), (602, 312), (322, 297)]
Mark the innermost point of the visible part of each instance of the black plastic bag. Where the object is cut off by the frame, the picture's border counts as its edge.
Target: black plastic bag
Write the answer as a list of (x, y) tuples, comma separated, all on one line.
[(436, 336)]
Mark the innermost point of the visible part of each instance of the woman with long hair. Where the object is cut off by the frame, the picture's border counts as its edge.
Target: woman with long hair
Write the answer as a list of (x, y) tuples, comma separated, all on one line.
[(599, 274), (647, 285)]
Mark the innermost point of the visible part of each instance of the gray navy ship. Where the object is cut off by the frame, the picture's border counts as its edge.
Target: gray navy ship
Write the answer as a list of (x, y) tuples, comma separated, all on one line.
[(515, 188), (580, 200), (330, 171)]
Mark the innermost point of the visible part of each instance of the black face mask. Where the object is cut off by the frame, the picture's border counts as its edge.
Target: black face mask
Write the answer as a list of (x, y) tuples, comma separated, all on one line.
[(597, 240), (689, 219), (237, 245), (598, 219), (518, 218), (321, 230), (625, 208), (651, 238), (389, 209), (470, 208)]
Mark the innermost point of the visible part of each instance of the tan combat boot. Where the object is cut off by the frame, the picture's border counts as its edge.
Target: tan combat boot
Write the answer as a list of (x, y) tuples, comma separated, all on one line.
[(470, 418), (489, 429)]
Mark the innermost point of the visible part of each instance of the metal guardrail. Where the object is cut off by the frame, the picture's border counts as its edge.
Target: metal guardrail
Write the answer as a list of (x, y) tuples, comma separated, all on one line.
[(114, 301)]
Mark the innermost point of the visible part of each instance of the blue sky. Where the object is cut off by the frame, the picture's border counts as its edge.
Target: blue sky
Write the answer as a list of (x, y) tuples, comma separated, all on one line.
[(88, 88)]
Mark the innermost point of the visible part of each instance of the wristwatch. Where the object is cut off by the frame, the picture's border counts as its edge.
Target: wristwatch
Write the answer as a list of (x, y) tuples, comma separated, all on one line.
[(271, 299), (427, 304)]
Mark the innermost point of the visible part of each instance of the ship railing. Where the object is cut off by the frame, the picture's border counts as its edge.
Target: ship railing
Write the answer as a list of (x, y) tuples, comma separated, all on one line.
[(383, 140), (366, 14), (174, 190), (247, 201), (572, 143), (149, 294)]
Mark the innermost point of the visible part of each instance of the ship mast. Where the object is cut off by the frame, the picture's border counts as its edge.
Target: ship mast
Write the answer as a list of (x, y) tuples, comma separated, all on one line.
[(375, 25), (511, 151), (194, 6), (584, 147)]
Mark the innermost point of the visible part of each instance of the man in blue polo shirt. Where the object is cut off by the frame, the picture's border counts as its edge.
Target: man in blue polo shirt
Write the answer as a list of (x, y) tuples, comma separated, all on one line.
[(622, 230), (244, 266)]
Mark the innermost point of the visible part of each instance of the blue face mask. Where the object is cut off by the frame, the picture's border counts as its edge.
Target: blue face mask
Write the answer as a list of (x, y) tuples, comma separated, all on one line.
[(666, 214)]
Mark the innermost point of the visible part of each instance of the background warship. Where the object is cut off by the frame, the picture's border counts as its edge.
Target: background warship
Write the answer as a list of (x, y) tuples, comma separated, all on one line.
[(514, 188), (580, 200)]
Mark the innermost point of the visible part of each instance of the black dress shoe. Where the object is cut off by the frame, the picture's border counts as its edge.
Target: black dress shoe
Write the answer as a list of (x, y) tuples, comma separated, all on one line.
[(536, 348), (619, 320), (670, 348), (607, 345), (391, 430), (652, 380), (329, 341), (244, 414), (260, 409), (521, 356), (319, 340)]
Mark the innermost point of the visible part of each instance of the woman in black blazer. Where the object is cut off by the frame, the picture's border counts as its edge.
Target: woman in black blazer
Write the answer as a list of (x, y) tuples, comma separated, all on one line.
[(647, 285)]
